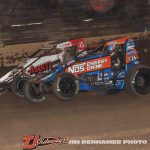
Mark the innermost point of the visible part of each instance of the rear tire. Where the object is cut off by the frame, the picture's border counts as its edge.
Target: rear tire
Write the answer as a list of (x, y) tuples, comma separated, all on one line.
[(137, 81), (33, 92), (65, 86)]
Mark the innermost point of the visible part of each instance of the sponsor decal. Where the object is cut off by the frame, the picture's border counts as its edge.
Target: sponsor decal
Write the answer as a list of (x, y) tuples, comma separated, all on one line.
[(134, 77), (79, 43), (131, 52), (90, 65), (41, 68), (130, 58), (104, 76), (64, 45), (130, 47), (32, 142)]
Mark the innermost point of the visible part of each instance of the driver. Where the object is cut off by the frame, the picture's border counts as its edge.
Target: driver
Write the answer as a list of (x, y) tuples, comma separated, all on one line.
[(115, 53)]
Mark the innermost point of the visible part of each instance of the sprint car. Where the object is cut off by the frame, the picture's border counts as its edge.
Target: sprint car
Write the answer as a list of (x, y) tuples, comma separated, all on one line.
[(42, 61), (113, 66)]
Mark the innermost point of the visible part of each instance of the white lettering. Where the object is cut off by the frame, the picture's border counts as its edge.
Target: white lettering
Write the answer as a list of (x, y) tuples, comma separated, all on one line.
[(134, 142), (74, 142), (77, 68)]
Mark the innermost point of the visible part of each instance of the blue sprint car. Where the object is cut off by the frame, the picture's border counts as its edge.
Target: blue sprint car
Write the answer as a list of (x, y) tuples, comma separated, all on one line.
[(114, 65)]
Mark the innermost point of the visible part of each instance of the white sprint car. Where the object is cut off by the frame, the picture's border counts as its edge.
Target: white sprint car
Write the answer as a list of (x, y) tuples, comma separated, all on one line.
[(42, 61)]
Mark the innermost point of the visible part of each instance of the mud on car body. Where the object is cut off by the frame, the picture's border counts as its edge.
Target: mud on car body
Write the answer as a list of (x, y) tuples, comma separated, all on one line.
[(42, 61), (115, 65)]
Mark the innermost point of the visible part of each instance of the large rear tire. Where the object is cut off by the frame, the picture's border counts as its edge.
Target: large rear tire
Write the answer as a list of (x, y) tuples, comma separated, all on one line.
[(65, 86), (137, 81), (33, 92), (17, 86)]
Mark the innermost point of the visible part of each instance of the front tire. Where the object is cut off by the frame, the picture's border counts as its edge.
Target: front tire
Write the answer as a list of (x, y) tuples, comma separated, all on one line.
[(3, 89), (33, 92), (17, 86), (65, 86), (137, 81)]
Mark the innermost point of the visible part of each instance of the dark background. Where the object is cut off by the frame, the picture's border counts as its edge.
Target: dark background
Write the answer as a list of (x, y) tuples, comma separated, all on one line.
[(24, 21)]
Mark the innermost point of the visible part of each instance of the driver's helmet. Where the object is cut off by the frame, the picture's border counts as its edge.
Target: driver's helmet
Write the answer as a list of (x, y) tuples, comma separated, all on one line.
[(111, 49)]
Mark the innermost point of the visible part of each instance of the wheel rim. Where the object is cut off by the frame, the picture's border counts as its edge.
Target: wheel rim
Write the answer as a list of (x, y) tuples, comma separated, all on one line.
[(67, 86), (141, 82), (35, 91)]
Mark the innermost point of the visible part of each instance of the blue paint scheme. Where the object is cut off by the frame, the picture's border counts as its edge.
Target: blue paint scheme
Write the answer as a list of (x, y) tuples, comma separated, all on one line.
[(110, 78), (106, 76), (49, 78)]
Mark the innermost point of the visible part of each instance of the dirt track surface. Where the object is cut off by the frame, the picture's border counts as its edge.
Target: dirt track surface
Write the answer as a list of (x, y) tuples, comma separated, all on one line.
[(90, 116)]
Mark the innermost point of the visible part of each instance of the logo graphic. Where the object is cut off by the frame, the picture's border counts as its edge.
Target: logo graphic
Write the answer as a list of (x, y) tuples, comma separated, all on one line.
[(32, 142), (90, 65), (41, 68)]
